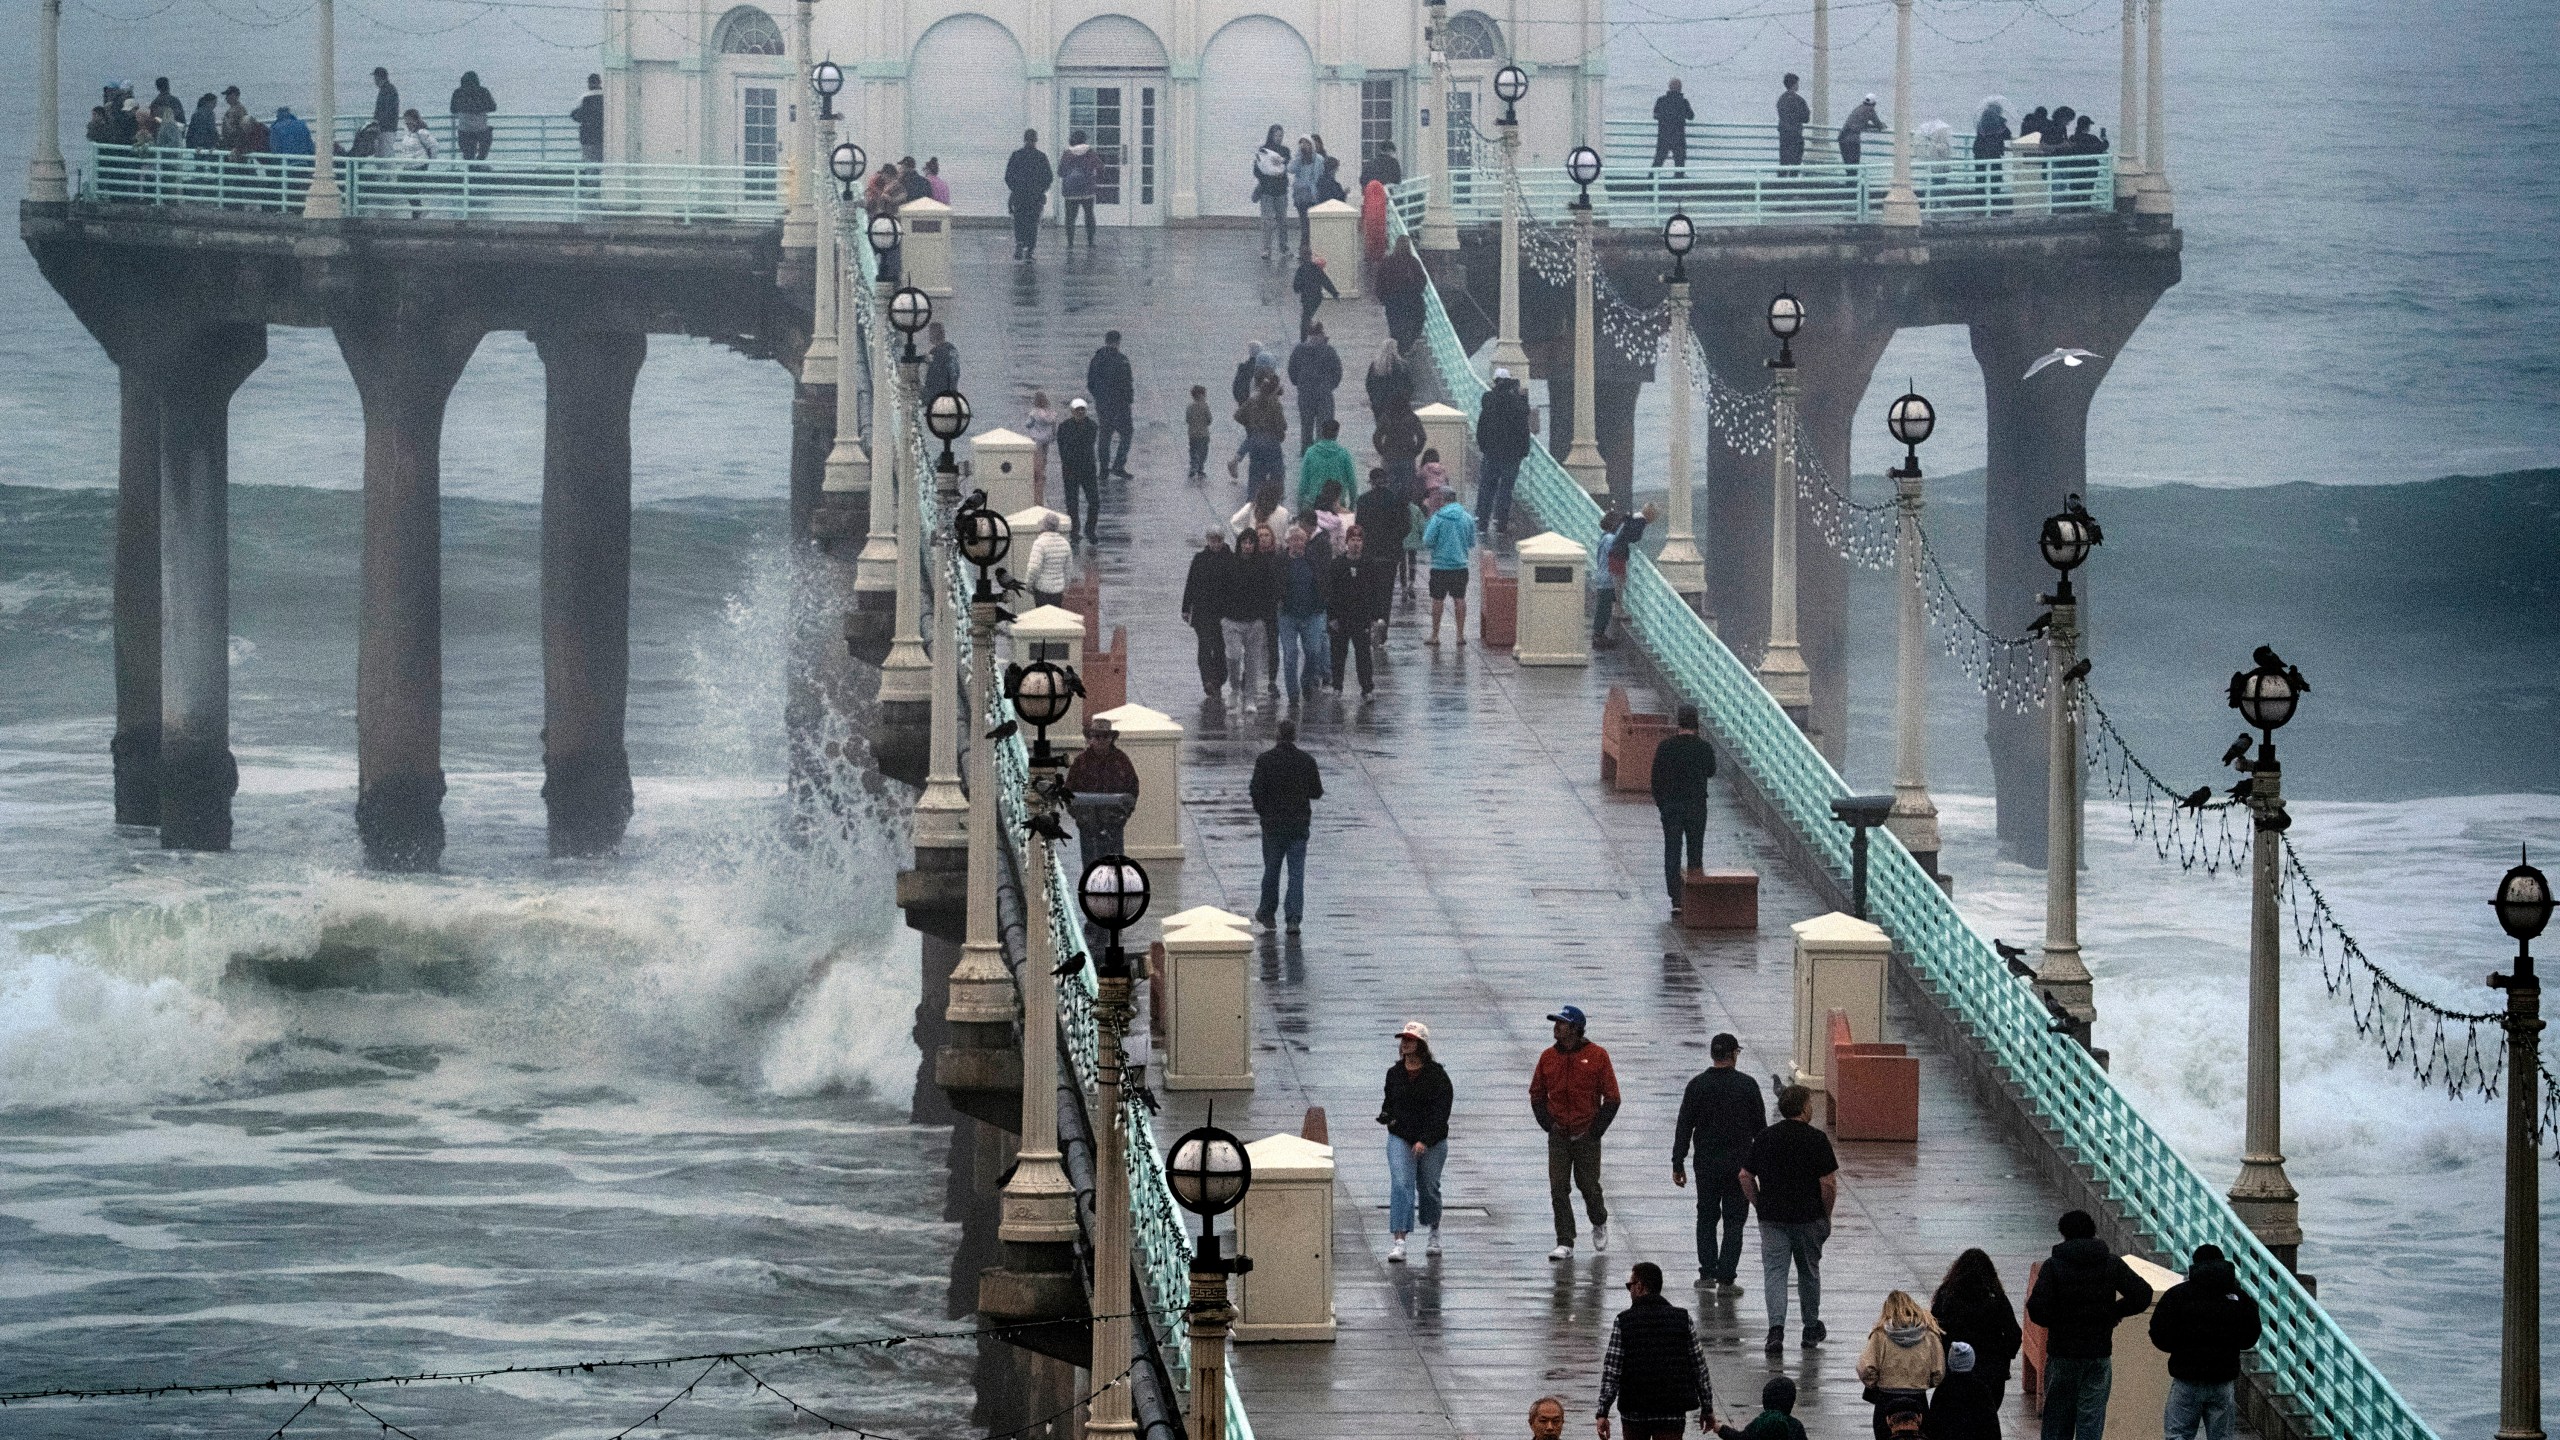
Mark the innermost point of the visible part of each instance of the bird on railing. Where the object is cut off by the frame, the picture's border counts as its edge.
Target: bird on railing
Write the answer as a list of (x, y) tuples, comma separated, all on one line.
[(2067, 356), (2015, 957)]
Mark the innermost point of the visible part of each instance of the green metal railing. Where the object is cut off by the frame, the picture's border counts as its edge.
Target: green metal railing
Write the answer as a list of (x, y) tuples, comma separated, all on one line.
[(509, 190), (2311, 1366)]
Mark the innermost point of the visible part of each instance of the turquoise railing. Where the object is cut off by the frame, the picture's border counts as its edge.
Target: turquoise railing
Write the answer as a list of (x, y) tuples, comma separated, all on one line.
[(446, 188), (2311, 1366)]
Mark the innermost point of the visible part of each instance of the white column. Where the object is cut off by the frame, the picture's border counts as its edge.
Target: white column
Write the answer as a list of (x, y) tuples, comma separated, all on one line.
[(942, 810), (2155, 198), (848, 467), (48, 183), (2063, 975), (322, 201), (799, 176), (1039, 1201), (2262, 1196), (1914, 818), (1901, 202), (1582, 459), (2128, 108), (1680, 562), (819, 363), (1821, 66), (981, 989), (875, 569), (1439, 226), (1507, 349), (1782, 667), (1109, 1416)]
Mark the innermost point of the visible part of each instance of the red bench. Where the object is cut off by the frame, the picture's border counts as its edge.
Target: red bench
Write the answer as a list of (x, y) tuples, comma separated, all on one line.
[(1498, 606), (1106, 672), (1873, 1090), (1627, 740)]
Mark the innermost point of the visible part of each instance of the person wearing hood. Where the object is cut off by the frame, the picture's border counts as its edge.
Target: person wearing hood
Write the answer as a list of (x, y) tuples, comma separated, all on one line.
[(1356, 604), (1257, 362), (1861, 120), (1027, 178), (1316, 370), (1079, 168), (1208, 593), (2079, 1295), (471, 107), (1271, 192), (1672, 113), (1777, 1418), (1972, 1307), (1904, 1358), (289, 135), (1305, 168), (1079, 466), (1504, 427), (1962, 1407), (1311, 285), (2203, 1323), (1415, 1111), (1401, 282), (1252, 598), (1654, 1372), (1326, 461), (1266, 430)]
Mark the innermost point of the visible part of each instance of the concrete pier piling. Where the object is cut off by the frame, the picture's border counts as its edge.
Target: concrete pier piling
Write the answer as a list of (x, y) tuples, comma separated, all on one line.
[(588, 377), (405, 364), (197, 773), (136, 746)]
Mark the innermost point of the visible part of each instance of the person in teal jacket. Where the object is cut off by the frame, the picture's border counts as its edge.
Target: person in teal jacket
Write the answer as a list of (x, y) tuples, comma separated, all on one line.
[(1450, 541), (1326, 460)]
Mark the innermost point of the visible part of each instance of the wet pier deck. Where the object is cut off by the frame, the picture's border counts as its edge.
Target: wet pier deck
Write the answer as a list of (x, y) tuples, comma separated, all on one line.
[(1469, 870)]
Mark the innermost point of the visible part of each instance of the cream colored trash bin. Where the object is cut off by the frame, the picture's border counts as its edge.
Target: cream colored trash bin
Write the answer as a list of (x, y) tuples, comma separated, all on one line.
[(1552, 630), (1286, 1225), (1444, 428), (1333, 230), (1056, 635), (1000, 464), (1209, 994), (1840, 965), (924, 251), (1153, 742), (2140, 1390)]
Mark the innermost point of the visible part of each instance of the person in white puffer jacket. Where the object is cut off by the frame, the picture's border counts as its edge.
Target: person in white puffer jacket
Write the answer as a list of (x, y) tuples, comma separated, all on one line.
[(1051, 562)]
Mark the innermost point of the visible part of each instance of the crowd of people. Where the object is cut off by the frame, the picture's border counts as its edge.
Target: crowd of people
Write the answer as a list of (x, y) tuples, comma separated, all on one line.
[(2060, 131)]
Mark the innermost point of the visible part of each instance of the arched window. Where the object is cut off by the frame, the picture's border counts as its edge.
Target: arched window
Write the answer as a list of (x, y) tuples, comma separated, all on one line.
[(747, 31), (1474, 36)]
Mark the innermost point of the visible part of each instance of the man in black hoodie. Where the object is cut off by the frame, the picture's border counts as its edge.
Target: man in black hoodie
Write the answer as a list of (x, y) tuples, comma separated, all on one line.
[(2204, 1322), (2079, 1295), (1207, 592), (1026, 193)]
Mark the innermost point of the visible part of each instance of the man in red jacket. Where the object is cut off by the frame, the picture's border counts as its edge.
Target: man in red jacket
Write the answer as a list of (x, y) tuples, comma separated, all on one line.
[(1574, 1094)]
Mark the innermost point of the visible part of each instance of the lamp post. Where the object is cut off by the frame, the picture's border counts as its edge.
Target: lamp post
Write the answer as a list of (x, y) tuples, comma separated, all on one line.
[(799, 150), (848, 467), (2266, 696), (819, 362), (2523, 904), (1439, 226), (1680, 562), (2065, 541), (1113, 895), (321, 201), (1782, 668), (981, 990), (48, 183), (1510, 86), (1915, 817), (875, 567), (1209, 1173), (1039, 1201), (1582, 458)]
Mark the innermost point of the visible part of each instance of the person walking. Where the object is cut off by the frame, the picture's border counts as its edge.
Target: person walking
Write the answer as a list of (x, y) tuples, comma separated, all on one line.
[(1401, 283), (1263, 512), (1326, 463), (1777, 1418), (1963, 1407), (1050, 565), (1352, 607), (1076, 468), (1972, 1309), (1285, 786), (1303, 583), (1653, 1372), (1266, 430), (941, 361), (1682, 765), (1312, 286), (1399, 441), (1574, 1095), (2203, 1324), (471, 105), (1792, 1180), (1040, 427), (1609, 577), (1861, 119), (1316, 370), (2079, 1295), (1105, 785), (1504, 427), (1027, 177), (1450, 539), (1208, 592), (1196, 420), (1253, 605), (1991, 147), (1107, 378), (1721, 1111), (1671, 116), (1793, 115), (1078, 169), (1415, 1111), (1382, 515), (1388, 382), (1271, 192), (415, 149), (386, 102), (1903, 1360), (1256, 363)]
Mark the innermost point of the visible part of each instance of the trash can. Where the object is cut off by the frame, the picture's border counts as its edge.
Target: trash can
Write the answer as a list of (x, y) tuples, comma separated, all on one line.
[(1333, 233), (1153, 743), (924, 251), (1552, 630), (1840, 965), (1209, 1002), (1444, 428), (1286, 1225), (1000, 464)]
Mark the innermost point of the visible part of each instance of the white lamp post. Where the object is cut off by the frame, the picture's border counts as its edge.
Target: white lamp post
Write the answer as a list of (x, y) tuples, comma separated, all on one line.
[(799, 150), (1113, 895), (1914, 819), (2066, 541), (1582, 459), (1821, 65), (2266, 696), (848, 468), (1209, 1173), (1782, 669), (1439, 225), (875, 567), (981, 990), (1680, 562), (1510, 85)]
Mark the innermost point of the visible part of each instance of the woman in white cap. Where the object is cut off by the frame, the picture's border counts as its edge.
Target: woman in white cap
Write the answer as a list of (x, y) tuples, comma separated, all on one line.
[(1416, 1114)]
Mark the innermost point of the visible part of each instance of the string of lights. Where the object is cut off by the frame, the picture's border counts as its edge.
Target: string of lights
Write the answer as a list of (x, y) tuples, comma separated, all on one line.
[(2211, 837)]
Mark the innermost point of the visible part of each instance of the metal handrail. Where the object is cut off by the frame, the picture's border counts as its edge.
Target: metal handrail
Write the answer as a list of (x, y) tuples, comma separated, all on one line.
[(506, 190), (1822, 191), (2304, 1359)]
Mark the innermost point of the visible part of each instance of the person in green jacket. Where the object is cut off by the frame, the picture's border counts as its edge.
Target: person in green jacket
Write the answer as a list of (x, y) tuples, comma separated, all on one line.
[(1326, 460)]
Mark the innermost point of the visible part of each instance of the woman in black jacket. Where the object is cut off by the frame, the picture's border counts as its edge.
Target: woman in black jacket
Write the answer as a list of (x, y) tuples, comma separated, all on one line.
[(1416, 1114), (1972, 1306)]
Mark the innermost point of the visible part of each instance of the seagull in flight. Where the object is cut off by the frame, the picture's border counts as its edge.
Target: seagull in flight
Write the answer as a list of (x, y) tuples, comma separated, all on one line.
[(2070, 356)]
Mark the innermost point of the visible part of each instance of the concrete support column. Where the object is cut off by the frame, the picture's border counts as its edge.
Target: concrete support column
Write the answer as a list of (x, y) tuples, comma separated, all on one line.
[(1914, 820), (1507, 351), (1439, 224), (1679, 559), (1039, 1201), (1782, 668), (586, 583), (2128, 110), (875, 574), (322, 202), (405, 365), (848, 469), (942, 813), (2061, 973), (1582, 458), (1901, 202), (2155, 198), (818, 363), (48, 183), (1110, 1417), (136, 746), (2262, 1196), (1821, 99), (197, 774), (799, 168)]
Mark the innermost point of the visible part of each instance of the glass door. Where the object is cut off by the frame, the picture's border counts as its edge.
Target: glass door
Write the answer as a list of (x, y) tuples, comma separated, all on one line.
[(760, 135), (1119, 120)]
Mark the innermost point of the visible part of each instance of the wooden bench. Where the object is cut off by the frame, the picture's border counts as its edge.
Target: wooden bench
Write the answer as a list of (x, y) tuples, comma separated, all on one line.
[(1106, 672), (1627, 740), (1720, 900), (1872, 1090), (1084, 597)]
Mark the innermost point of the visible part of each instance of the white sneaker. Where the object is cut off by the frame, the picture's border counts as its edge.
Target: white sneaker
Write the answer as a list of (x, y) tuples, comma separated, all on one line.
[(1561, 1252), (1395, 1253), (1433, 1248), (1600, 1238)]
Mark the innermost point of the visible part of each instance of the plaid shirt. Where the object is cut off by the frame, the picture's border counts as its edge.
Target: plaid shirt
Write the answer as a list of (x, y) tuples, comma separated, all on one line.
[(1611, 1365)]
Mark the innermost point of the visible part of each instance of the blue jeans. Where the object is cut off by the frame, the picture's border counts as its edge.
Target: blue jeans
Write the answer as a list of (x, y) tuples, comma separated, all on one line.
[(1275, 850), (2075, 1397), (1781, 1243), (1303, 652), (1261, 462), (1493, 491), (1408, 1173), (2192, 1407)]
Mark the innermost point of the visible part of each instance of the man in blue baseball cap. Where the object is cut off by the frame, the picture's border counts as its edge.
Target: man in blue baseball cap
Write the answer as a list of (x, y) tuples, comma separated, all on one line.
[(1574, 1094)]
